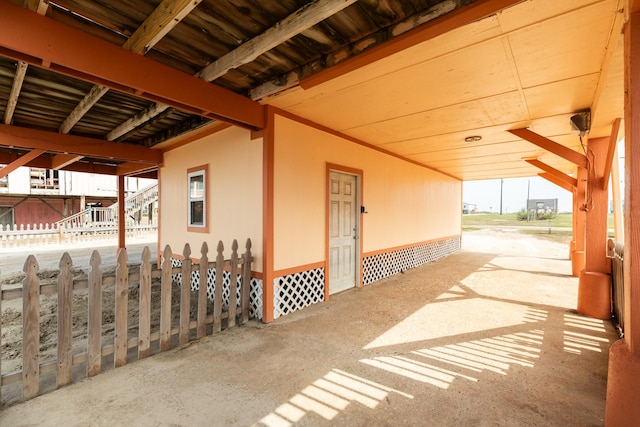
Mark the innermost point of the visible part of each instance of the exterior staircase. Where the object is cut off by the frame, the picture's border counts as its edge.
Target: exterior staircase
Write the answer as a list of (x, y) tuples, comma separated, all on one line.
[(100, 217)]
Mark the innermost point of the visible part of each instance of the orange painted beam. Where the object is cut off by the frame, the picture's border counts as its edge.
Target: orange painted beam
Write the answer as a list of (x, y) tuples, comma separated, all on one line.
[(132, 168), (268, 233), (59, 161), (20, 161), (623, 379), (611, 150), (40, 41), (551, 146), (594, 288), (555, 180), (462, 16), (17, 137), (557, 174)]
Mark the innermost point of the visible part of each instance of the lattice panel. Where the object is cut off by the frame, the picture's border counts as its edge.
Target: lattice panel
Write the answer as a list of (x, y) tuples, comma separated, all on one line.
[(255, 306), (296, 291), (383, 265), (255, 299)]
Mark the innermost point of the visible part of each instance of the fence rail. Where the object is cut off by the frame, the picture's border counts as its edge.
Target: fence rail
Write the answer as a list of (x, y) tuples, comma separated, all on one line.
[(163, 312), (615, 251), (49, 234)]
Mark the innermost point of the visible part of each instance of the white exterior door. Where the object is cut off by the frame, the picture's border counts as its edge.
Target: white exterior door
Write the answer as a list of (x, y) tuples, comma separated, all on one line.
[(343, 231)]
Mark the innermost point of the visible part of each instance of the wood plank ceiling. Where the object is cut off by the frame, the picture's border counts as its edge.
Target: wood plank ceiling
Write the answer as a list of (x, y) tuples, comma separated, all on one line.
[(437, 82)]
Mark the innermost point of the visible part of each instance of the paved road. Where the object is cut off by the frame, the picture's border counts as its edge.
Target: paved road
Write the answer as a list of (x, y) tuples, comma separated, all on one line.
[(12, 259)]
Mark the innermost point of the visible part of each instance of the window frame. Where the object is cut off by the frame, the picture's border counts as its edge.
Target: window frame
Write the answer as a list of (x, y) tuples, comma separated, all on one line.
[(194, 172)]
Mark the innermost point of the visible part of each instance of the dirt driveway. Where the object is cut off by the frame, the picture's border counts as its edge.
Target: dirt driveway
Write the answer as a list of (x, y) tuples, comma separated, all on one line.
[(484, 337)]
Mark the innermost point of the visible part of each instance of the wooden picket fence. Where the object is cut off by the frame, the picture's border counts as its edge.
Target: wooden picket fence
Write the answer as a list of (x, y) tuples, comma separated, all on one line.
[(49, 234), (126, 346)]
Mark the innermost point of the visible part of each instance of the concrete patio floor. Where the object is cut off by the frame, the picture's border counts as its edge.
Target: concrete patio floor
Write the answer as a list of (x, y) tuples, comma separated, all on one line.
[(484, 337)]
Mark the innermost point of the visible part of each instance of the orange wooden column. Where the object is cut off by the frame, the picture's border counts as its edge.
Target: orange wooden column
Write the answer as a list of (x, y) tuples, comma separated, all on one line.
[(623, 382), (594, 289), (579, 223)]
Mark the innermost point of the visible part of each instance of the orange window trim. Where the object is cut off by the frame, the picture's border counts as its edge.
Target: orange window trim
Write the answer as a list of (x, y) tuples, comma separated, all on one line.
[(205, 229)]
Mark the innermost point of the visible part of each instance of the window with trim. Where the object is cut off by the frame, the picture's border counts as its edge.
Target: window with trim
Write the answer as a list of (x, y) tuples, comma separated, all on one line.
[(4, 181), (197, 198)]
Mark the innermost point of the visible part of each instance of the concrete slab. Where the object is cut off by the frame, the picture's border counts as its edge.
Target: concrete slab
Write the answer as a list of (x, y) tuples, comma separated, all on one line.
[(485, 337)]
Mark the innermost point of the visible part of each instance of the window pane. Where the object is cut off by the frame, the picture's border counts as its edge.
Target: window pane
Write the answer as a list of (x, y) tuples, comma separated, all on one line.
[(196, 186), (197, 212)]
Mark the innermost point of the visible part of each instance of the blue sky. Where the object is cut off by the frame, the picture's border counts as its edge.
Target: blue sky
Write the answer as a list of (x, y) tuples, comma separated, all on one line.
[(486, 194)]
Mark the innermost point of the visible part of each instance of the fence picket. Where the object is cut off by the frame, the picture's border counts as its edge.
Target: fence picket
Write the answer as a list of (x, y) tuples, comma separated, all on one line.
[(202, 291), (65, 325), (30, 329), (185, 295), (121, 308), (165, 301), (217, 297), (246, 282), (95, 347), (94, 321), (144, 322), (233, 285)]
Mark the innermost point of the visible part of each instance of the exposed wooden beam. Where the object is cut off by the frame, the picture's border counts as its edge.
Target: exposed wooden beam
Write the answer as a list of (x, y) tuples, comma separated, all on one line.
[(300, 20), (551, 146), (20, 161), (74, 53), (40, 7), (60, 161), (162, 20), (462, 15), (16, 87), (80, 166), (135, 121), (290, 26), (17, 137), (164, 17), (133, 168), (553, 171), (611, 150), (555, 180)]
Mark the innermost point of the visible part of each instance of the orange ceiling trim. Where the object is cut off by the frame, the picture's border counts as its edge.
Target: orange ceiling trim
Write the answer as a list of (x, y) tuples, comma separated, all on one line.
[(40, 41), (553, 147), (462, 16), (611, 150), (555, 180), (553, 171), (17, 137), (20, 161)]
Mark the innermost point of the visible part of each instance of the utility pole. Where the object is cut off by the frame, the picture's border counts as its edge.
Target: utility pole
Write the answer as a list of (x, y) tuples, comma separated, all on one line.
[(528, 189), (501, 184)]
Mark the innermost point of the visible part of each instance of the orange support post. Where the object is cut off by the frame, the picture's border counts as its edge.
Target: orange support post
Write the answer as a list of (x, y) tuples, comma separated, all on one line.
[(579, 228), (623, 382), (594, 290)]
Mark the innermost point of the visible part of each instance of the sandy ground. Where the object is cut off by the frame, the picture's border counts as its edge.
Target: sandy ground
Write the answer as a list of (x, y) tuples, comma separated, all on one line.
[(484, 337)]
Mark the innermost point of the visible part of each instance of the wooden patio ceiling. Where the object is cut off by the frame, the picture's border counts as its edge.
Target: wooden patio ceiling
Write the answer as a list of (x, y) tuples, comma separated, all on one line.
[(105, 85)]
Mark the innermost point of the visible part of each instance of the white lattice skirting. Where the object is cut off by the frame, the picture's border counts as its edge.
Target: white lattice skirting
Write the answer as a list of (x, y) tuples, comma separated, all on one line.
[(255, 292), (297, 291), (387, 264)]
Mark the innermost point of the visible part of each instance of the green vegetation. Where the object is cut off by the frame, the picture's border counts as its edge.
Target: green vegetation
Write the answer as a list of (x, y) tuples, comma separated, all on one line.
[(509, 220)]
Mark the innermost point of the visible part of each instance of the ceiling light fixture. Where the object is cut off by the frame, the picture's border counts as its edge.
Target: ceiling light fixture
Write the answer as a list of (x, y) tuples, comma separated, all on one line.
[(474, 138)]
